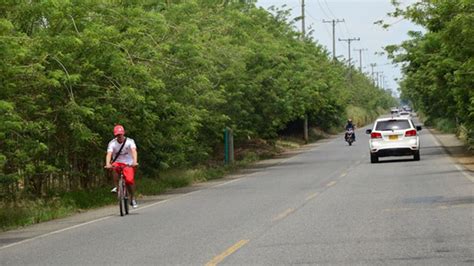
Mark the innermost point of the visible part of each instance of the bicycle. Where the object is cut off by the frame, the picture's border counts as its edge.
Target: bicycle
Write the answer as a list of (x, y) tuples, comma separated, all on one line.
[(122, 191)]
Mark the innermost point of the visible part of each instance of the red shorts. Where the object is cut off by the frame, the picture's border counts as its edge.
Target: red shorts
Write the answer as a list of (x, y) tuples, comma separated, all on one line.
[(128, 173)]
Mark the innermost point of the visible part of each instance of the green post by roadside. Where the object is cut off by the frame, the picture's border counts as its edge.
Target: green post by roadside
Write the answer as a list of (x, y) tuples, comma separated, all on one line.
[(228, 146)]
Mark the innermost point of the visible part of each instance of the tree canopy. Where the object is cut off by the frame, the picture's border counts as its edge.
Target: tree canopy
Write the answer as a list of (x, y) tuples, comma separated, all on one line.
[(174, 74), (438, 63)]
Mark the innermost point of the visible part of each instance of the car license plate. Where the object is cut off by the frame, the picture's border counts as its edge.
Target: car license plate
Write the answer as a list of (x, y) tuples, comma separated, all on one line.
[(393, 137)]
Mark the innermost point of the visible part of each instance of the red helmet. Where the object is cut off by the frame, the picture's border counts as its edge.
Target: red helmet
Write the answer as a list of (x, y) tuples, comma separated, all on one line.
[(119, 130)]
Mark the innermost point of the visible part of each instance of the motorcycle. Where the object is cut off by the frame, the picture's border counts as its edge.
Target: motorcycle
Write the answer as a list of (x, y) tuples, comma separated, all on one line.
[(350, 136)]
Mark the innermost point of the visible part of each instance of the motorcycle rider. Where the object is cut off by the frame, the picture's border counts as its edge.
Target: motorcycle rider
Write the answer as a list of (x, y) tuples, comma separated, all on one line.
[(349, 125)]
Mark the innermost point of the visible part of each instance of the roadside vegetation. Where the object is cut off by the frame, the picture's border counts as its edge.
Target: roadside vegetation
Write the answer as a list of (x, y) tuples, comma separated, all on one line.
[(30, 209), (174, 74), (438, 64)]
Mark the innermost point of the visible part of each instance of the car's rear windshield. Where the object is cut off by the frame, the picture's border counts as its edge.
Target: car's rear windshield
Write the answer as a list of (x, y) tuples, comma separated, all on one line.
[(392, 125)]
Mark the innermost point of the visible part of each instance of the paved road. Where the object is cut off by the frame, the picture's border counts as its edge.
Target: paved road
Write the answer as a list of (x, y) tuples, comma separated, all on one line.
[(328, 205)]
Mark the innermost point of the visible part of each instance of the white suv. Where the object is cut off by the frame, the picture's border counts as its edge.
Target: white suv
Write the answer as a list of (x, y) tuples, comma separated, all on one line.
[(394, 137)]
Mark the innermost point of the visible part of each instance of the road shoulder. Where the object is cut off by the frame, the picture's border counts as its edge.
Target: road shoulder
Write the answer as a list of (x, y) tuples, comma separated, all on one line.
[(456, 149)]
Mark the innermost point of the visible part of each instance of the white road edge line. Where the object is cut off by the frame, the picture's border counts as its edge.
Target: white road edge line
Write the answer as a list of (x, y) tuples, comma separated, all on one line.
[(437, 142), (459, 167), (110, 216), (55, 232), (464, 172)]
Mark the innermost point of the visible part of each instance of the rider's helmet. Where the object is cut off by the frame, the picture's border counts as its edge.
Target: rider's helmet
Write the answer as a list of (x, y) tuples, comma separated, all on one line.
[(349, 120), (119, 130)]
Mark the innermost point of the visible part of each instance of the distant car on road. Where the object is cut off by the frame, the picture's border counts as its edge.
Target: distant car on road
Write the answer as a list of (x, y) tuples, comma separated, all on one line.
[(395, 136), (405, 114), (394, 111)]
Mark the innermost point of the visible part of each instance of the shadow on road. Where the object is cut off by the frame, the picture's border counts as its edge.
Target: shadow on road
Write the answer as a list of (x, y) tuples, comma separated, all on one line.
[(6, 241)]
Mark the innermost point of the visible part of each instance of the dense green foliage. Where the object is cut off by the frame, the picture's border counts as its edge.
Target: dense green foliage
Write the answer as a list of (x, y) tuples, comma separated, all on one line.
[(438, 63), (175, 75)]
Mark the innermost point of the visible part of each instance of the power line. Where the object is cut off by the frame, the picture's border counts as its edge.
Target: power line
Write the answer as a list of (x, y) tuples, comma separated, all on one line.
[(347, 29), (327, 16), (329, 9), (325, 27), (322, 9)]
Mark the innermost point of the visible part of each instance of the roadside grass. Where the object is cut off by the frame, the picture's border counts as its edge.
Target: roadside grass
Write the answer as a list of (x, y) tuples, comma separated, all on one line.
[(442, 124), (467, 136), (61, 204), (449, 126), (30, 211), (445, 125), (361, 117), (358, 115)]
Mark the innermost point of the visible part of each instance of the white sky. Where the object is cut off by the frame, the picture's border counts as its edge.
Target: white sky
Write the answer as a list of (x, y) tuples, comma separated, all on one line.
[(359, 16)]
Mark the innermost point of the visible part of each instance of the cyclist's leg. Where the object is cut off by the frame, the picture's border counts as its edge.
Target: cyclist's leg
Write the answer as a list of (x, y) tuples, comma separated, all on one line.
[(131, 190), (115, 172), (115, 175), (129, 174)]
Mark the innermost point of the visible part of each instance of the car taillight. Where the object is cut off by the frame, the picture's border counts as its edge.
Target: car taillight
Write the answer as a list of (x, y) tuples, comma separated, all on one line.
[(375, 135), (410, 133)]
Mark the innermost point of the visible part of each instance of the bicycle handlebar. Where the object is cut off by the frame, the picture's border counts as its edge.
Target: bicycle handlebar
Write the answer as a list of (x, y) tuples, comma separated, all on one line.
[(121, 166)]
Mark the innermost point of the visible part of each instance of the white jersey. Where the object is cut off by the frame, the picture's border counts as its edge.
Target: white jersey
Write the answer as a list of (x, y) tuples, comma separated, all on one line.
[(126, 153)]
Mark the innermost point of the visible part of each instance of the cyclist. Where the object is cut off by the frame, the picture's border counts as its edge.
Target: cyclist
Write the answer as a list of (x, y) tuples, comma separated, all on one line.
[(122, 152)]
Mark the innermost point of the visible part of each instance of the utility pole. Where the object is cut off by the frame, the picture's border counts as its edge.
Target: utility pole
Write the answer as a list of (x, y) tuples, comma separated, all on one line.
[(334, 21), (349, 43), (303, 35), (372, 65), (360, 57), (303, 28), (379, 75), (376, 79)]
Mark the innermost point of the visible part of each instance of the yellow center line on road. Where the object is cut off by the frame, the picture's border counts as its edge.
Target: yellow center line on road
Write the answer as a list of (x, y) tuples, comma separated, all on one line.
[(219, 258), (398, 209), (332, 183), (312, 196), (433, 208), (283, 214), (463, 205)]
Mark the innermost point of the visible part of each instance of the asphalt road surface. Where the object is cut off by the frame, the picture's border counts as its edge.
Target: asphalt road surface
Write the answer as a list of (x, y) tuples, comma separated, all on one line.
[(327, 205)]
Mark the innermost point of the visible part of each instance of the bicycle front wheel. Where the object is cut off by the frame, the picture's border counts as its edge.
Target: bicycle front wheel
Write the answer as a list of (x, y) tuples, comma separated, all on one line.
[(121, 198), (125, 200)]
